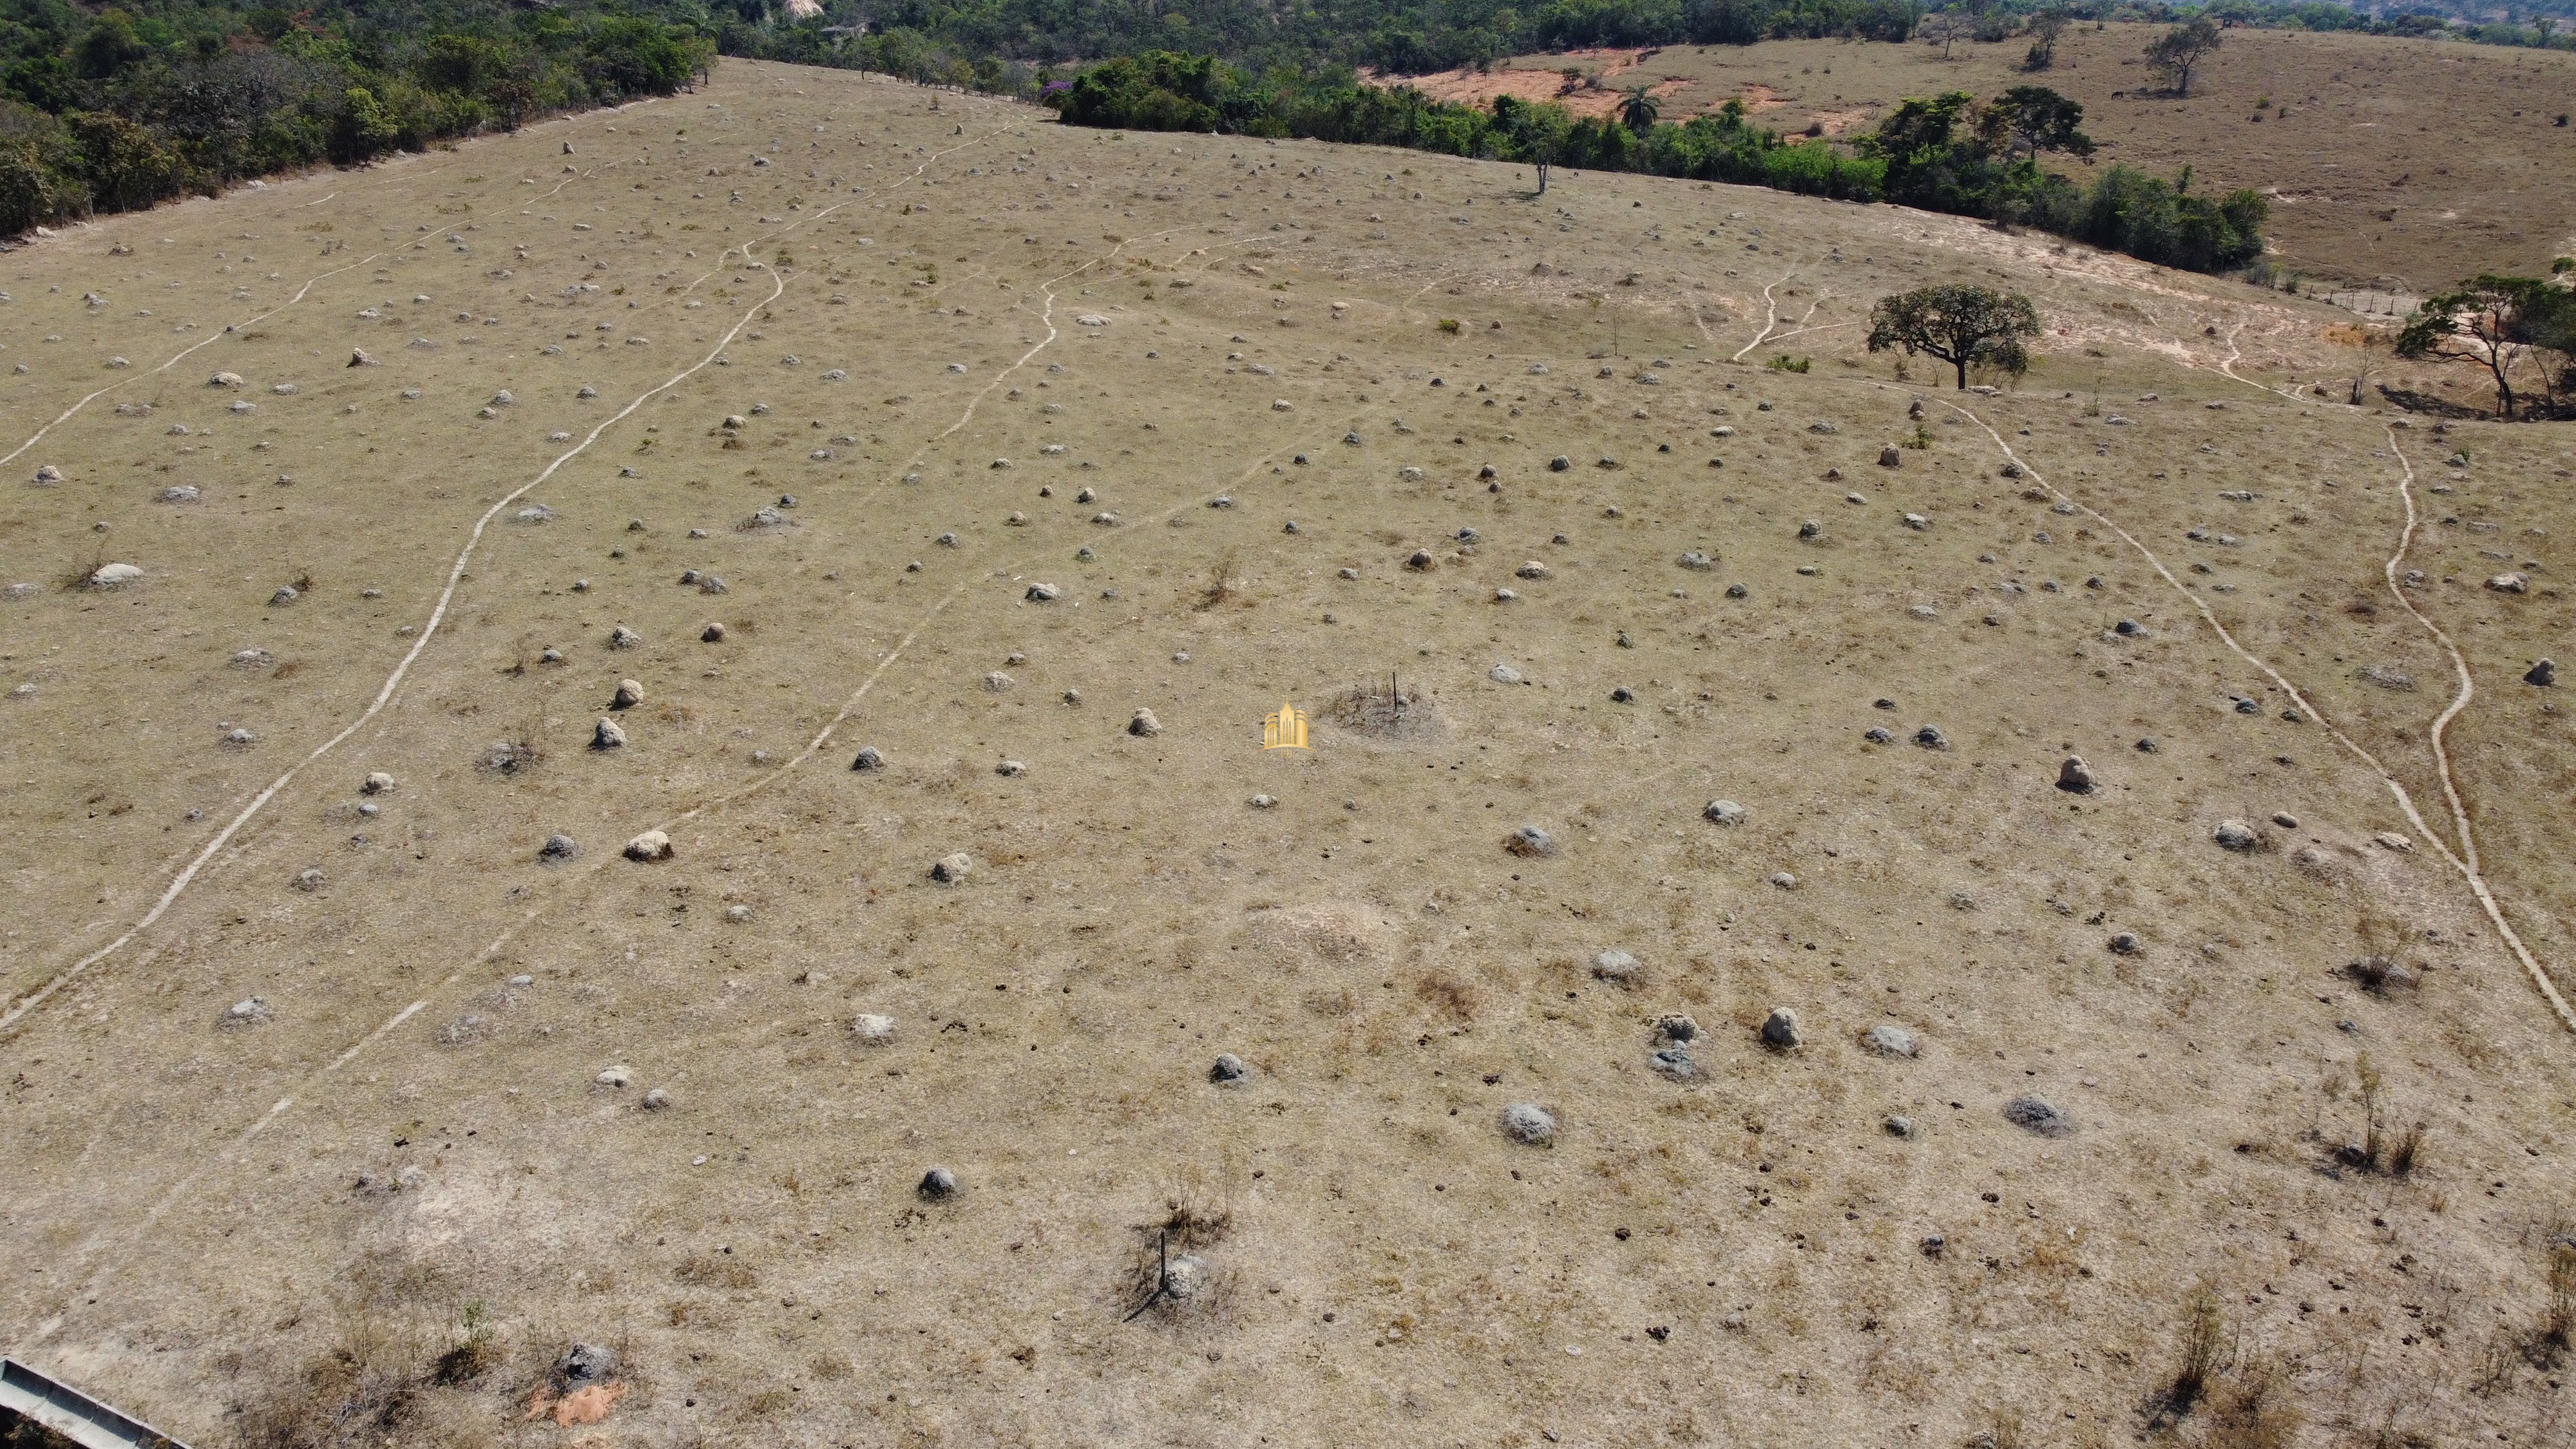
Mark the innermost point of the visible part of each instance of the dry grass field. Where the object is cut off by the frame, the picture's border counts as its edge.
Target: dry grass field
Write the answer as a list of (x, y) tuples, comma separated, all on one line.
[(334, 1114), (2407, 164)]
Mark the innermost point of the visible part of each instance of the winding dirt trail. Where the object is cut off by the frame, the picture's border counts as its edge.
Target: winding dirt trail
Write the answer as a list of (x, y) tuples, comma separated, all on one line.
[(2464, 859), (187, 875)]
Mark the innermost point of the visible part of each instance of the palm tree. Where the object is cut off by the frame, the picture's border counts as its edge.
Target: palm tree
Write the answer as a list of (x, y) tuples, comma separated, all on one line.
[(1639, 110)]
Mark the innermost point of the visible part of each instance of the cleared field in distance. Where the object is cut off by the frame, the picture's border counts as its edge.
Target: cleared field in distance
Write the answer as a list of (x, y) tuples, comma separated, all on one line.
[(2422, 162)]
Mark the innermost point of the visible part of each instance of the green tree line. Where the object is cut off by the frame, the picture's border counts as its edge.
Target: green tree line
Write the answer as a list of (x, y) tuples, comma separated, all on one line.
[(1951, 153), (121, 108), (991, 41)]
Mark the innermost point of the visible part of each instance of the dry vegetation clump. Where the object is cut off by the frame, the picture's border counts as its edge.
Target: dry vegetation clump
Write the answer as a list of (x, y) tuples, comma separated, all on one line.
[(2547, 1345), (2395, 1153), (1223, 586), (1448, 996), (2251, 1410), (715, 1270), (362, 1389), (2196, 1354)]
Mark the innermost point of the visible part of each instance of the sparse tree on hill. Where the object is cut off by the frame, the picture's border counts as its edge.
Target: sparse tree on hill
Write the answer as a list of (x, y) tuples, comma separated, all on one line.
[(2045, 27), (1961, 325), (1638, 109), (1945, 26), (2174, 53), (2493, 323)]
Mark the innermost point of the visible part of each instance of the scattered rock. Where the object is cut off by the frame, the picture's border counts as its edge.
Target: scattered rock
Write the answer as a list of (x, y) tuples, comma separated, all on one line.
[(872, 1029), (2543, 674), (937, 1183), (1144, 724), (868, 759), (1723, 812), (2509, 584), (1780, 1028), (950, 869), (376, 783), (47, 476), (737, 915), (249, 1011), (1889, 457), (558, 849), (657, 1100), (608, 735), (2285, 820), (2039, 1115), (1674, 1062), (1530, 1123), (2391, 840), (714, 633), (1900, 1127), (225, 379), (1783, 880), (629, 694), (614, 1078), (1931, 738), (1503, 674), (622, 637), (652, 845), (1889, 1040), (115, 576), (1618, 968), (1228, 1070), (1043, 593), (585, 1364), (1676, 1028), (2236, 835), (1529, 840), (2075, 777), (2126, 943)]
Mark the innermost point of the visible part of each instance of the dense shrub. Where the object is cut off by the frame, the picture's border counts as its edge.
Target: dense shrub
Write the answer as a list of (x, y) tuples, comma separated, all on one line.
[(110, 111)]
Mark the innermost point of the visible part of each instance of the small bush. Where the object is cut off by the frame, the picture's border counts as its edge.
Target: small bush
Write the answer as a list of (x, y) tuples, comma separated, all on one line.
[(2204, 1327), (1449, 325), (1785, 363)]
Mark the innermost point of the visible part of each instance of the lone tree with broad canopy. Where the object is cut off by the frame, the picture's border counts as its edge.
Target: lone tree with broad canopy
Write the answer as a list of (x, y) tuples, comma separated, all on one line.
[(2174, 53), (2493, 323), (2033, 119), (1961, 325)]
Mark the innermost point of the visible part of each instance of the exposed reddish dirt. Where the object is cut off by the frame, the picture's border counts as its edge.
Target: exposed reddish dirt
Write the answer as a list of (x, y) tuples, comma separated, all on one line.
[(1479, 88)]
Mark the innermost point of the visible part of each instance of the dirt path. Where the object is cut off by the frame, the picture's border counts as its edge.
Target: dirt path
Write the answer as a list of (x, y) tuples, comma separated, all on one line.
[(393, 682), (2464, 860)]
